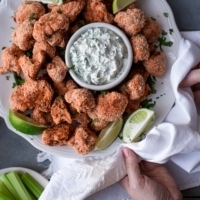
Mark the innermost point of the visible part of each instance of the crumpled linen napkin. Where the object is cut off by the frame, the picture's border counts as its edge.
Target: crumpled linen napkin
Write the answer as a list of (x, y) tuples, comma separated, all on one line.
[(177, 135)]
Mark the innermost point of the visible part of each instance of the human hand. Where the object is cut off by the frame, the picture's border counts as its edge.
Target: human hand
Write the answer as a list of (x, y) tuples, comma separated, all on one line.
[(193, 80), (148, 180)]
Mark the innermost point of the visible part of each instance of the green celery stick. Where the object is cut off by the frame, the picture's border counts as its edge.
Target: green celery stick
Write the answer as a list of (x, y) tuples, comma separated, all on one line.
[(32, 184), (5, 192), (15, 180), (10, 187)]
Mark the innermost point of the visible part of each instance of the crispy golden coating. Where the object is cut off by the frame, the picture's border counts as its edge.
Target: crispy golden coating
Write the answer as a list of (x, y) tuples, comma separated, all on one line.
[(151, 30), (57, 135), (70, 9), (57, 69), (131, 21), (83, 140), (22, 36), (110, 106), (31, 67), (81, 99), (140, 48), (156, 64), (134, 88), (33, 94), (81, 118), (59, 111), (46, 47), (96, 124), (52, 28), (10, 56), (29, 11), (42, 117), (96, 11)]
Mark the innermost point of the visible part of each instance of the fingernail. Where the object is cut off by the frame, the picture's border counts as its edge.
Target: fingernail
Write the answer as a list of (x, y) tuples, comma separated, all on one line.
[(125, 152)]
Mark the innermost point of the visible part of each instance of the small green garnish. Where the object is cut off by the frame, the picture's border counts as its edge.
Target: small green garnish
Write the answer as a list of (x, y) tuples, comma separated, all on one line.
[(95, 120), (7, 77), (153, 18), (171, 31), (152, 84), (164, 32), (3, 48), (162, 42), (72, 67), (148, 103), (61, 53), (74, 112), (103, 93), (18, 80), (31, 16), (29, 53), (166, 14)]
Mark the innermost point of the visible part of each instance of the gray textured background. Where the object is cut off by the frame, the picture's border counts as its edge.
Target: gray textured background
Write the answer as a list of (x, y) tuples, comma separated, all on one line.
[(15, 151)]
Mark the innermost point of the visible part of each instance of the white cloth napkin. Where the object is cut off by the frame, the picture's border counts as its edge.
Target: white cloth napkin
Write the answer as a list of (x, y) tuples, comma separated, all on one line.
[(177, 139)]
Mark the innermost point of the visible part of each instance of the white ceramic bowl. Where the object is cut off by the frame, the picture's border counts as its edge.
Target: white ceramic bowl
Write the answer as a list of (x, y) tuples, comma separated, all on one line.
[(127, 61)]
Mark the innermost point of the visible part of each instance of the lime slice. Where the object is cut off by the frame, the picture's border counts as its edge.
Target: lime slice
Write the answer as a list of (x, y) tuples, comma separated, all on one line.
[(118, 5), (25, 124), (138, 123), (108, 134)]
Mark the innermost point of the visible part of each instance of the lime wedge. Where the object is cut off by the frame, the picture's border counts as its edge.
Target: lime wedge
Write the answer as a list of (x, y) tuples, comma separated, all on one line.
[(118, 5), (108, 134), (25, 124), (138, 123)]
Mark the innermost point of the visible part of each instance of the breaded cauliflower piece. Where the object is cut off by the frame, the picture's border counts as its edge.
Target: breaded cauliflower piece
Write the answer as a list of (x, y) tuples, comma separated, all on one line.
[(135, 87), (22, 36), (151, 30), (156, 64), (57, 69), (10, 56), (96, 124), (81, 99), (110, 106), (31, 67), (95, 11), (70, 9), (131, 21), (81, 118), (46, 47), (57, 135), (83, 140), (29, 11), (32, 94), (59, 111), (52, 28), (42, 117), (140, 48)]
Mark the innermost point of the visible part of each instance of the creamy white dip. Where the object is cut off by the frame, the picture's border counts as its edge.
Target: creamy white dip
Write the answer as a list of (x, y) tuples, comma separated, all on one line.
[(98, 56)]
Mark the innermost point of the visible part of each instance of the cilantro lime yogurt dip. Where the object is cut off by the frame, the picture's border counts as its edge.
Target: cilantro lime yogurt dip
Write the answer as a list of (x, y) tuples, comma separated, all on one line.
[(97, 56)]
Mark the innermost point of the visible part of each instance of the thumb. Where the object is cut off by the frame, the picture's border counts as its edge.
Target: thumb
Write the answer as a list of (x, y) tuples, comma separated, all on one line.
[(132, 167)]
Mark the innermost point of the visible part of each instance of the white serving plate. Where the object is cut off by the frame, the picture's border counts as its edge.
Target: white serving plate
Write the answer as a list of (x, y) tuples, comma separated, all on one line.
[(164, 97)]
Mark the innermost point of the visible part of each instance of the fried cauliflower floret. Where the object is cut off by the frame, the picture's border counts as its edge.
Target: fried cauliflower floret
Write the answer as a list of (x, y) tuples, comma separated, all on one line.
[(135, 87), (151, 30), (31, 67), (81, 118), (46, 47), (52, 28), (57, 69), (42, 117), (131, 21), (57, 135), (156, 64), (83, 140), (75, 26), (140, 48), (33, 94), (70, 9), (110, 106), (95, 11), (10, 56), (22, 36), (81, 99), (59, 111), (28, 11)]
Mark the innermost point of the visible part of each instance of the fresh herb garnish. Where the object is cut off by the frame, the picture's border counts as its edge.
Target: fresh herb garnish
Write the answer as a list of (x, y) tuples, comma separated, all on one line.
[(171, 31), (18, 80), (61, 53), (166, 14), (3, 48), (74, 112), (152, 84), (29, 53), (164, 32), (7, 77), (95, 120), (31, 16), (148, 103), (162, 42), (103, 93), (153, 18)]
